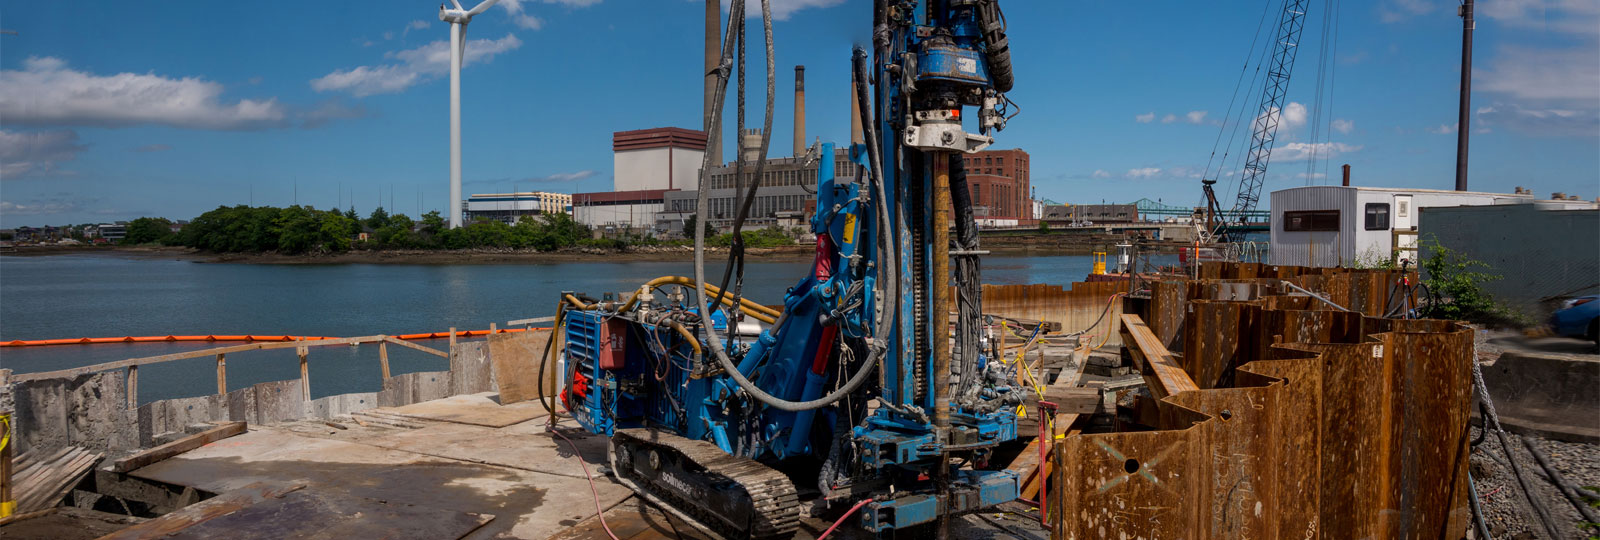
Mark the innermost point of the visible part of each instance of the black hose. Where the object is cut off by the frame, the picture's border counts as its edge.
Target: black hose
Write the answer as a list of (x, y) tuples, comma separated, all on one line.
[(561, 311), (1561, 483), (1492, 421), (712, 341), (1477, 509)]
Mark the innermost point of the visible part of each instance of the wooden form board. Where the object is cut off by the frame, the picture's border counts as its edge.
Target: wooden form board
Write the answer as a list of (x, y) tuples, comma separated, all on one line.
[(44, 478), (176, 447), (515, 359)]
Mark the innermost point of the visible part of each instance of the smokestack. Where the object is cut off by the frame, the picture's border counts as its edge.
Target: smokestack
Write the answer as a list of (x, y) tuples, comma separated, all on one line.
[(752, 145), (799, 111), (855, 117), (713, 58), (1346, 174)]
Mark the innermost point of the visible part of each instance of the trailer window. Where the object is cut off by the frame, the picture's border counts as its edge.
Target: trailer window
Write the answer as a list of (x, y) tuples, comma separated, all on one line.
[(1377, 216), (1311, 220)]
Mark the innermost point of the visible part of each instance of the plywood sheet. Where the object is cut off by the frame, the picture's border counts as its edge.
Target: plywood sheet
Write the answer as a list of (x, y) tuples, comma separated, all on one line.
[(516, 358)]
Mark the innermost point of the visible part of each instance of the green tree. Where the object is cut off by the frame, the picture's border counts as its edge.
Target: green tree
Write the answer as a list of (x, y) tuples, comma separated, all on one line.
[(1044, 227), (690, 223), (147, 230), (432, 223), (378, 219), (1455, 287)]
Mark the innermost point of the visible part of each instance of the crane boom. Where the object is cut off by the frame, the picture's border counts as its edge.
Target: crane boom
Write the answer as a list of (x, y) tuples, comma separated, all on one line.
[(1265, 129)]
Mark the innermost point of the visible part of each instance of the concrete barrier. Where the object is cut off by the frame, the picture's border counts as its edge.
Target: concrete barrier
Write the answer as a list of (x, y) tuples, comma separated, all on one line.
[(1551, 395)]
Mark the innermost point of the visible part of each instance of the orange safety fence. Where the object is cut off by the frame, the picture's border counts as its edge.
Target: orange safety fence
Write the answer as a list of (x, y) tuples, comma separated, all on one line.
[(244, 338)]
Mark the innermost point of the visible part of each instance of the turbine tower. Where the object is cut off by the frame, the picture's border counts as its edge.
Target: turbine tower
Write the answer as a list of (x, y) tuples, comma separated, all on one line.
[(458, 19)]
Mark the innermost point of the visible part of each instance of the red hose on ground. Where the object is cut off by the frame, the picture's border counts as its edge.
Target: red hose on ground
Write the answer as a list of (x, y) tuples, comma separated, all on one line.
[(847, 514)]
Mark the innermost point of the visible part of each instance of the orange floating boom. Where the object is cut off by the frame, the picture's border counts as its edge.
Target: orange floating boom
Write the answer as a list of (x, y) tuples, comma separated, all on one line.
[(228, 338)]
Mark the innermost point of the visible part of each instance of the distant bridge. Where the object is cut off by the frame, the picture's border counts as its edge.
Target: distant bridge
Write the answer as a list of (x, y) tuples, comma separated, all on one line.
[(1148, 207)]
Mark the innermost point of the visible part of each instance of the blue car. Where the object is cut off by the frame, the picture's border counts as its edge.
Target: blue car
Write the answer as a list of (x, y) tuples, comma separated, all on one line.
[(1579, 318)]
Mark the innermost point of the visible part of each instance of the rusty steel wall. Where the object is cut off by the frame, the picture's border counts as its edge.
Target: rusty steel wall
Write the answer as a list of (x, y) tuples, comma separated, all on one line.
[(1310, 423), (1076, 308)]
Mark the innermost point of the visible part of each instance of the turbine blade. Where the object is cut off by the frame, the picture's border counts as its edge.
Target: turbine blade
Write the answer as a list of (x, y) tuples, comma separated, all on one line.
[(458, 4), (481, 7)]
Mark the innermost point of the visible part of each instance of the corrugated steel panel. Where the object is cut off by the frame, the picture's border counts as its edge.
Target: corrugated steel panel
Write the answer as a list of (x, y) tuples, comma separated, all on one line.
[(1316, 424)]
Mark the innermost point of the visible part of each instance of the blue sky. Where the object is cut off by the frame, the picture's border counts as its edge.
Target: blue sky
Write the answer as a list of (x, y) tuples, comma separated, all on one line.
[(114, 110)]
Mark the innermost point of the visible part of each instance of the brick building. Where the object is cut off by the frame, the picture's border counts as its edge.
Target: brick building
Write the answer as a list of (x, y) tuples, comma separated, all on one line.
[(999, 181)]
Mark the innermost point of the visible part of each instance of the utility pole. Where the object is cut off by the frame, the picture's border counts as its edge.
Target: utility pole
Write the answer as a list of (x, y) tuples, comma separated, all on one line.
[(1463, 124)]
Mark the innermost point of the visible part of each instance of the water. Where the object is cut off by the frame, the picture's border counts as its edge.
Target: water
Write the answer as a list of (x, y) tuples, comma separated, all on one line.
[(70, 296)]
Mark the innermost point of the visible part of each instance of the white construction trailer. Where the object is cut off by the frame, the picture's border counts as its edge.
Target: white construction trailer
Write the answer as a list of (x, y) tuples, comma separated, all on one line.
[(1354, 226)]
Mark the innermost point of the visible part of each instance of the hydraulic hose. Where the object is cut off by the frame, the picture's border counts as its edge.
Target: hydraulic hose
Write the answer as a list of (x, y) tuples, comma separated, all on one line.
[(712, 339), (750, 307)]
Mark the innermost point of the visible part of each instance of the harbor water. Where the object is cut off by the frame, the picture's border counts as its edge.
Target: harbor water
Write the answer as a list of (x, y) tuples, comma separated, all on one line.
[(71, 296)]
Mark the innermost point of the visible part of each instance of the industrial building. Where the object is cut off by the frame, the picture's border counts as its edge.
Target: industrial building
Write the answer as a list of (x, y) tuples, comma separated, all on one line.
[(657, 158), (647, 164), (788, 187), (620, 211), (510, 207), (998, 180), (1331, 226)]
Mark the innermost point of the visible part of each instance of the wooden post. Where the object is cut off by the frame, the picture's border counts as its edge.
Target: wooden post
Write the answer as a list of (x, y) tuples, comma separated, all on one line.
[(305, 374), (222, 373), (133, 387), (383, 358), (452, 343), (493, 329)]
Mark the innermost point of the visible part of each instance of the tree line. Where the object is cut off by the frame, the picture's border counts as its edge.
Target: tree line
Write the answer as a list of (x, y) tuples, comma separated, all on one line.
[(303, 229)]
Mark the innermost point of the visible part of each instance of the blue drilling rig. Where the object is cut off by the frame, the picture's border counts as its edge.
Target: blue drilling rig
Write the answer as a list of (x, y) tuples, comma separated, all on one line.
[(862, 381)]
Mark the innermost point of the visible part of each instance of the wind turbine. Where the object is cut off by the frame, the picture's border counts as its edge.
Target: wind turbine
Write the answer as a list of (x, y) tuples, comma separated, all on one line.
[(458, 19)]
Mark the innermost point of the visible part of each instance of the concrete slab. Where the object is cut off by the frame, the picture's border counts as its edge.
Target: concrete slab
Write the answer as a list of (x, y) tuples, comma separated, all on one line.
[(526, 504), (481, 409)]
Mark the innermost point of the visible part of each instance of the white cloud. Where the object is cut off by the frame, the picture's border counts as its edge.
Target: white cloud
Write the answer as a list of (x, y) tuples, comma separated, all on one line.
[(556, 178), (1145, 118), (1313, 176), (520, 16), (1170, 118), (1444, 129), (1392, 11), (47, 92), (36, 153), (781, 9), (1293, 117), (1543, 74), (36, 208), (1539, 121), (1343, 126), (1146, 172), (418, 24), (1100, 174), (415, 66), (1195, 117), (1297, 151)]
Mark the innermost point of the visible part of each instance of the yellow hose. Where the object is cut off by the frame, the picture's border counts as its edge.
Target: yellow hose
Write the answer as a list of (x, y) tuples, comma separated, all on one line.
[(687, 336), (759, 312)]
